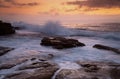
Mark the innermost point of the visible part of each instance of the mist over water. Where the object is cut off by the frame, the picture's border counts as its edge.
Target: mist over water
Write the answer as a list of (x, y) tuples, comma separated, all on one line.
[(51, 28), (29, 44)]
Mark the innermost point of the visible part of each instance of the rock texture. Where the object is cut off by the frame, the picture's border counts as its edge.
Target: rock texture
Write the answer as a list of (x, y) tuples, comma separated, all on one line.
[(91, 70), (6, 28), (60, 42), (28, 68), (4, 50), (11, 63), (37, 70), (99, 46)]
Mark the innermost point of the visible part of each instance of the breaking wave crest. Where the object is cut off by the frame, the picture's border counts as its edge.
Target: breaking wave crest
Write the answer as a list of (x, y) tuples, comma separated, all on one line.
[(55, 28)]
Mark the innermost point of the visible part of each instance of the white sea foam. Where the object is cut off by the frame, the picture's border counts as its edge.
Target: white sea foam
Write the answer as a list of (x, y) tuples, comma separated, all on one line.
[(30, 44), (55, 28), (66, 65)]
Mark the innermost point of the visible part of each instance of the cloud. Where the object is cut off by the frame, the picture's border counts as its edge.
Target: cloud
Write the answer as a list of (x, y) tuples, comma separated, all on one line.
[(4, 6), (26, 4), (13, 3), (96, 3), (52, 11)]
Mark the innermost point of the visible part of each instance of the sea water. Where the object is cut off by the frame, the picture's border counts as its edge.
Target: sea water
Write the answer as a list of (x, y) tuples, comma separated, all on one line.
[(27, 43)]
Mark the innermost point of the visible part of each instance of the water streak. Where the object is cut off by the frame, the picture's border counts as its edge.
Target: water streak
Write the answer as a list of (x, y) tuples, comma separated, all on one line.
[(66, 65)]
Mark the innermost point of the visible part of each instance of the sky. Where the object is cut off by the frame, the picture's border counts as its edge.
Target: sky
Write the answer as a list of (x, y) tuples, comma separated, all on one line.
[(72, 11)]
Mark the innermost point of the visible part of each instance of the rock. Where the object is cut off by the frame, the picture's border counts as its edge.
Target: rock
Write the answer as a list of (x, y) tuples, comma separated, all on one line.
[(115, 73), (36, 70), (32, 59), (60, 42), (99, 46), (6, 28), (90, 67), (37, 64), (78, 74), (28, 67), (95, 70), (11, 63), (4, 50)]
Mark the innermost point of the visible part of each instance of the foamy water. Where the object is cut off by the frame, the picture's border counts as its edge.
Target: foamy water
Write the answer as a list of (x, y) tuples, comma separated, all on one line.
[(27, 43), (31, 46)]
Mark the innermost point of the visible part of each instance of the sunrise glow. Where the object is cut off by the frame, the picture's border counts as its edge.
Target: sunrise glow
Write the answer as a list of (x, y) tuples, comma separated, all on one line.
[(57, 7)]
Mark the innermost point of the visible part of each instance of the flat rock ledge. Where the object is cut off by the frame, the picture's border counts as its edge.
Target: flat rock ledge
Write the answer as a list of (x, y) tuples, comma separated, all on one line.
[(4, 50), (28, 68), (60, 42), (91, 70)]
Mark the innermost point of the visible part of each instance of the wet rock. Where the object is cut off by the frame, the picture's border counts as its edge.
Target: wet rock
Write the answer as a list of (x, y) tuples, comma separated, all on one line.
[(78, 74), (4, 50), (115, 73), (6, 28), (28, 67), (37, 64), (11, 63), (95, 70), (33, 59), (99, 46), (90, 67), (36, 70), (60, 42)]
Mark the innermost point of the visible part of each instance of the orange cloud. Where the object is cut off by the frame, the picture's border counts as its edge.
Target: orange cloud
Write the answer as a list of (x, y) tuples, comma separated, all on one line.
[(61, 7), (14, 3)]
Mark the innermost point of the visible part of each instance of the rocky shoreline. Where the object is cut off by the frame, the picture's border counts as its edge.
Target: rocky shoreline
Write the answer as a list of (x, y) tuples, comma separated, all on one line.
[(91, 70), (33, 67), (44, 67)]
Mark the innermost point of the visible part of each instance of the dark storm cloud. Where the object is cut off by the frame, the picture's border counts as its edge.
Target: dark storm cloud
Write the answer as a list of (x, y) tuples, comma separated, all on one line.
[(96, 3), (16, 4)]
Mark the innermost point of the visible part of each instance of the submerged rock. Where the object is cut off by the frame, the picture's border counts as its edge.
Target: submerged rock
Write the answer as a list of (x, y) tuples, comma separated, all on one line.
[(4, 50), (60, 42), (91, 70), (99, 46), (6, 28)]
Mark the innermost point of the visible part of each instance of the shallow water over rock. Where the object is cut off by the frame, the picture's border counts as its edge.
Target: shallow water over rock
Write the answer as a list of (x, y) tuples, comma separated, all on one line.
[(26, 47)]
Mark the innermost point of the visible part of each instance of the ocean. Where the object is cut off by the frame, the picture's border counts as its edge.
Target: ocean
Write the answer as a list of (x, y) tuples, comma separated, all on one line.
[(27, 40)]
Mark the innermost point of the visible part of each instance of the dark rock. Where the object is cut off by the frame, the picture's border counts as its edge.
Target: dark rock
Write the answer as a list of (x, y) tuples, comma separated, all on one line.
[(33, 59), (90, 67), (6, 28), (4, 50), (60, 42), (99, 46)]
